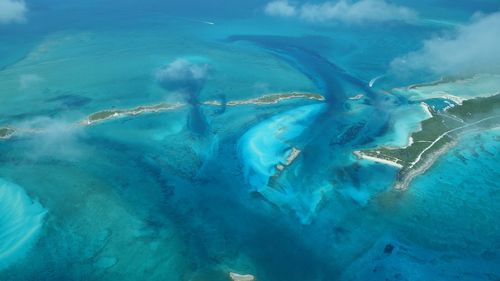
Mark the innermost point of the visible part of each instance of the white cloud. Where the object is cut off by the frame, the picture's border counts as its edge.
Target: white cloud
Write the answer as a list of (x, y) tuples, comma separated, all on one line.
[(280, 8), (53, 138), (343, 11), (12, 11), (357, 12), (182, 69), (471, 48), (182, 74)]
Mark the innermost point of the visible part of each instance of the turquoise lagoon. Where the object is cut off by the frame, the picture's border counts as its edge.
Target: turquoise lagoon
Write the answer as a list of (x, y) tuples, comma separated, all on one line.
[(198, 192)]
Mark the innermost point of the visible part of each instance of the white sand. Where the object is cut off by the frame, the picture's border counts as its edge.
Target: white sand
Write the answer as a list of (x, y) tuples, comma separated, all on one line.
[(212, 103), (427, 109), (241, 277), (378, 160), (357, 97), (293, 155)]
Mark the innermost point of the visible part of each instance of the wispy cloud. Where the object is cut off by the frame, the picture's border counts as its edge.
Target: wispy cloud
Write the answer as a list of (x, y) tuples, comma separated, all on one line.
[(12, 11), (53, 138), (280, 8), (471, 48), (343, 11), (182, 75)]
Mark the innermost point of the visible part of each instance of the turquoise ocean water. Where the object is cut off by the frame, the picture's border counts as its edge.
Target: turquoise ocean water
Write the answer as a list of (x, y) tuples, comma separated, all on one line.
[(192, 194)]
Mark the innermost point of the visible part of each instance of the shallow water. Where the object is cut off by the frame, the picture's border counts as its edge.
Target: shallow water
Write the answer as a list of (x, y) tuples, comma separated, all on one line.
[(194, 193)]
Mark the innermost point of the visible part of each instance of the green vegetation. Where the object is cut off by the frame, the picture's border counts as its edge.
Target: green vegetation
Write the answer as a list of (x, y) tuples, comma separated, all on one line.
[(476, 108), (267, 99), (275, 98), (107, 114), (102, 115), (438, 133), (6, 133)]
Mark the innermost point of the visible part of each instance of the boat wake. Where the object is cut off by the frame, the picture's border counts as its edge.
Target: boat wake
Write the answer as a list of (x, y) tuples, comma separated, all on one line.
[(372, 82)]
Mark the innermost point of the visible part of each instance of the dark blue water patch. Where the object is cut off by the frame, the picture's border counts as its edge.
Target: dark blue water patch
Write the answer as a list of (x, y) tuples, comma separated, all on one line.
[(140, 175), (27, 116), (327, 76), (440, 104), (348, 135), (332, 81), (349, 174), (197, 121), (13, 53), (221, 220), (327, 144), (223, 100), (316, 69), (71, 101), (216, 216)]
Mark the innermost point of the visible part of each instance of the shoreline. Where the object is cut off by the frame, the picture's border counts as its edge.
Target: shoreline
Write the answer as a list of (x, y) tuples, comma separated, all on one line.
[(277, 98), (357, 97), (404, 180), (118, 113), (427, 109), (408, 177), (295, 152), (438, 134), (361, 155), (241, 277), (109, 114), (293, 155), (267, 99), (432, 90)]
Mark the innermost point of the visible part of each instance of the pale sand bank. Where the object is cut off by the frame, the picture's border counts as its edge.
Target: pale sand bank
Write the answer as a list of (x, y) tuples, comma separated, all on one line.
[(289, 160), (241, 277), (361, 155), (357, 97), (427, 109), (410, 142), (6, 133)]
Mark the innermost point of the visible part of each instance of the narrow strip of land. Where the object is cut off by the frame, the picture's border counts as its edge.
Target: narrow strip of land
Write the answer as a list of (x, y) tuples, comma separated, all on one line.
[(110, 114), (438, 134), (446, 133)]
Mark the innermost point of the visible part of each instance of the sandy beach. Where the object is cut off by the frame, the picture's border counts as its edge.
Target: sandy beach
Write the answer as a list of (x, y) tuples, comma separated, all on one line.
[(361, 155)]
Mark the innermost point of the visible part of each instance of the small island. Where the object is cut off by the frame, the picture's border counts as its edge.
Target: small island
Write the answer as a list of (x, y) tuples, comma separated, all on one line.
[(264, 100), (269, 99), (6, 132), (357, 97), (294, 153), (276, 98), (116, 113), (437, 135)]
